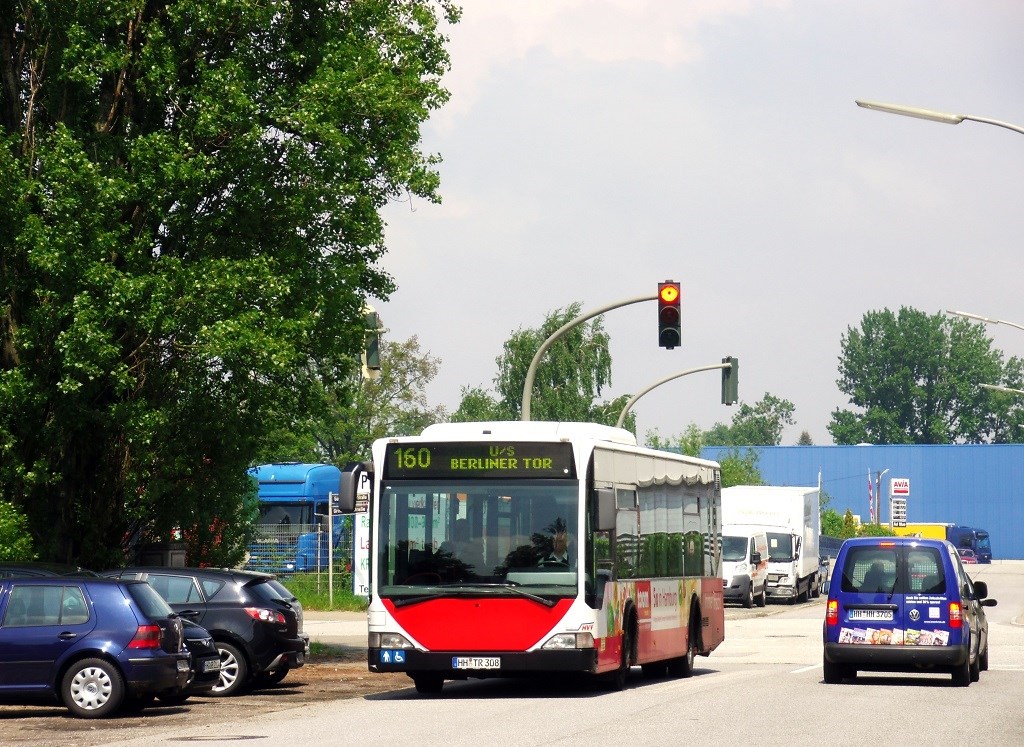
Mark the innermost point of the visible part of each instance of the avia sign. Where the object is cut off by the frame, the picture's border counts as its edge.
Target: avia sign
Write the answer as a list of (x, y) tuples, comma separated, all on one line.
[(899, 487)]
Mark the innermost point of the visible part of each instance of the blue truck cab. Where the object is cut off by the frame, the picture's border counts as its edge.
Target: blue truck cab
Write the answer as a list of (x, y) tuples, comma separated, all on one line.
[(904, 604)]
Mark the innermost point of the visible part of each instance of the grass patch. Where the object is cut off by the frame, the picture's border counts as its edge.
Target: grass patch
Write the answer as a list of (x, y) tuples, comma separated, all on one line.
[(312, 591)]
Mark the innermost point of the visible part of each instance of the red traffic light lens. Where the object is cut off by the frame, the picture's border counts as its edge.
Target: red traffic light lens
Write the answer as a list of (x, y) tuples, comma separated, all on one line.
[(669, 293)]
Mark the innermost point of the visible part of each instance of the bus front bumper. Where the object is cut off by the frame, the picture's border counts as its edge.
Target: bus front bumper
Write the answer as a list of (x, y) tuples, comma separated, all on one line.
[(459, 664)]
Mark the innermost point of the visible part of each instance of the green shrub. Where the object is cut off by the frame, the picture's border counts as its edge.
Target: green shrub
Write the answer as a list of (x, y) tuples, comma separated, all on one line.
[(15, 541)]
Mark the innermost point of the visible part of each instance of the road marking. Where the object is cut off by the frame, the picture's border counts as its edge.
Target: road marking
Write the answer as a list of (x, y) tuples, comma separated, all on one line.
[(806, 669)]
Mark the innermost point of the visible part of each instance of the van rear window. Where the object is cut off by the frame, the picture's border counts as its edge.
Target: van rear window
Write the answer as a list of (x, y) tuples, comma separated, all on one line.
[(891, 570)]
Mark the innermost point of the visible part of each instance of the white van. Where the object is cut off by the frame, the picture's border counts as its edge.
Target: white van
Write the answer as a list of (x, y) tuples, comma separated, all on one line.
[(744, 564)]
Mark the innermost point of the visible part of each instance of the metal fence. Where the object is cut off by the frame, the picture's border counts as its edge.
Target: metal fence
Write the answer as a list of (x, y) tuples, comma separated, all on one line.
[(301, 548)]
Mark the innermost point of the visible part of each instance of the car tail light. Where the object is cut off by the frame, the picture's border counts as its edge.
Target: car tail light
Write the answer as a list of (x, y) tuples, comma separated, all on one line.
[(832, 612), (955, 615), (265, 615), (147, 636)]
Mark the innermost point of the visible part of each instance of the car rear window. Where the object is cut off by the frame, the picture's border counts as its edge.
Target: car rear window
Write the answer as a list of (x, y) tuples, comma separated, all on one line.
[(877, 570), (266, 591), (152, 604)]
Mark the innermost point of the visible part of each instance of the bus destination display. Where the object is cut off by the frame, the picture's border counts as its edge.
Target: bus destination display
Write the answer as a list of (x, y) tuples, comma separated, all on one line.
[(487, 460)]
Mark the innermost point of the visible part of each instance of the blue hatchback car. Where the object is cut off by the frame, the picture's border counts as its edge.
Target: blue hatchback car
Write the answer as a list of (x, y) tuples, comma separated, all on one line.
[(903, 604), (89, 643)]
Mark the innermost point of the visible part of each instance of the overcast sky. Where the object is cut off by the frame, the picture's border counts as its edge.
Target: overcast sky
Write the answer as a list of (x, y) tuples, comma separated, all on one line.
[(593, 148)]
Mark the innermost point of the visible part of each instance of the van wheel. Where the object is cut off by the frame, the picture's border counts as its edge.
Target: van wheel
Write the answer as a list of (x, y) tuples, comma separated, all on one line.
[(748, 598), (983, 659), (962, 675), (975, 668), (762, 598), (834, 673)]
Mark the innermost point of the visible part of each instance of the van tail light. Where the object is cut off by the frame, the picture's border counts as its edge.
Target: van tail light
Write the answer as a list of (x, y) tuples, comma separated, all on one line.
[(265, 615), (832, 612), (146, 637), (955, 615)]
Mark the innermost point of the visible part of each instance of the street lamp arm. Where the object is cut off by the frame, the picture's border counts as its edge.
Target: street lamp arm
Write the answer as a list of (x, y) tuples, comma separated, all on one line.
[(531, 372), (998, 388), (655, 385), (932, 115), (985, 319)]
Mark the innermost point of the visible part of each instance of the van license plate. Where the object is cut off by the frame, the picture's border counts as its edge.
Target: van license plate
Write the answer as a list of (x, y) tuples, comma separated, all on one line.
[(879, 615), (476, 662)]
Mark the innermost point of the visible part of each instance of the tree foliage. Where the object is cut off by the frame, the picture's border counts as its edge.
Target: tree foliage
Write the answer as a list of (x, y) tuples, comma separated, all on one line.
[(357, 411), (15, 542), (915, 379), (760, 424), (189, 227), (567, 382)]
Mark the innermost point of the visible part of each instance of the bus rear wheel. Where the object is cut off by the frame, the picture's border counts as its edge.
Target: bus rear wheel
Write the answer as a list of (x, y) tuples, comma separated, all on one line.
[(683, 665)]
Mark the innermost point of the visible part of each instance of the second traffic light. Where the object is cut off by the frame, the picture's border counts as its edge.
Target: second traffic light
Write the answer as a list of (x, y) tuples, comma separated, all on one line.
[(731, 381), (670, 332)]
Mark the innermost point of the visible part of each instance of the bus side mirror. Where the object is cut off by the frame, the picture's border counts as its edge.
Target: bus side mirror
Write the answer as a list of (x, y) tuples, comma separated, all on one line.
[(604, 510), (351, 476)]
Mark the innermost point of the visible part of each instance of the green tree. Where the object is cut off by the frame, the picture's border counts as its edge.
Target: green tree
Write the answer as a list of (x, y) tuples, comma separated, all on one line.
[(15, 542), (849, 525), (739, 467), (754, 425), (567, 381), (357, 411), (875, 530), (189, 226), (832, 523), (805, 439), (914, 379)]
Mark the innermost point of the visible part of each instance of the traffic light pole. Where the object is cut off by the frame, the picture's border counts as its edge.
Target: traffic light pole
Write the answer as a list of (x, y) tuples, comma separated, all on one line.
[(531, 373), (655, 385)]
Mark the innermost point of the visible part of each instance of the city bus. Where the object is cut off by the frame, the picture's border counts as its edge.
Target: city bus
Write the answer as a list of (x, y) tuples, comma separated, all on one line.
[(294, 502), (517, 548)]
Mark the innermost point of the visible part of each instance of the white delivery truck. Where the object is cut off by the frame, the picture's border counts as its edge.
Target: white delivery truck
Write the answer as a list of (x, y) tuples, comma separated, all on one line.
[(744, 564), (791, 519)]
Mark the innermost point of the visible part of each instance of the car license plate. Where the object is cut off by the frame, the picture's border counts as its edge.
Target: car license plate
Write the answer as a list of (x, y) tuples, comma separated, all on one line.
[(211, 665), (876, 615), (183, 665), (476, 662)]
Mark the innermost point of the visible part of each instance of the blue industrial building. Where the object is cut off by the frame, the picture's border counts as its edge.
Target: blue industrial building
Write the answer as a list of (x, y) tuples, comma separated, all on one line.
[(977, 485)]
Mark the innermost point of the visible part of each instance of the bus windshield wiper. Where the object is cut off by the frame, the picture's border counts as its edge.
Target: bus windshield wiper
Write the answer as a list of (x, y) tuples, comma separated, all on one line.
[(460, 588)]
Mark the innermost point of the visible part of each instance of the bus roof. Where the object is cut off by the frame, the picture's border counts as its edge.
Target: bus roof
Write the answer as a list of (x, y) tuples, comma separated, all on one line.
[(530, 430)]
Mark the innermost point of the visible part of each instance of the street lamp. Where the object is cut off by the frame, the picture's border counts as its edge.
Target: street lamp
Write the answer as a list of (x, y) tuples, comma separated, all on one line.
[(934, 116), (985, 319), (997, 388)]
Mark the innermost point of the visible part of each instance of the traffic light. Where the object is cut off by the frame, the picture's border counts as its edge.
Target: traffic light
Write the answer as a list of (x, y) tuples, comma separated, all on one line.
[(731, 381), (371, 341), (669, 317)]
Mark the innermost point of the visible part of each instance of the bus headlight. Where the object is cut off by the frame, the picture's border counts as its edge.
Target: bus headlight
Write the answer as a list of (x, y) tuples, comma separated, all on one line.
[(387, 640), (566, 641)]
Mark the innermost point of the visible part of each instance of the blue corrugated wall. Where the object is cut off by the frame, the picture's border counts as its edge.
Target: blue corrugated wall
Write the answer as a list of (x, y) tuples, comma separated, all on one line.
[(975, 485)]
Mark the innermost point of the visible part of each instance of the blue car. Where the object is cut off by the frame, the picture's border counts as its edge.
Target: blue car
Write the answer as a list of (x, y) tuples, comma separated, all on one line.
[(92, 644), (903, 604)]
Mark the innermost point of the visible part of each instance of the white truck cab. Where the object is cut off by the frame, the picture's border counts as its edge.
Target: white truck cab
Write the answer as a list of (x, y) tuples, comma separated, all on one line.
[(744, 564)]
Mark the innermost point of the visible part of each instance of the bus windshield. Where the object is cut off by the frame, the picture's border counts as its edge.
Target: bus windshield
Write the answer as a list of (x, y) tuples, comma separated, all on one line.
[(484, 536)]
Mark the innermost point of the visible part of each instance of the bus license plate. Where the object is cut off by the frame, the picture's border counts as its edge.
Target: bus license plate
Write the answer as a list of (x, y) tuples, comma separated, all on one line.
[(879, 615), (476, 662)]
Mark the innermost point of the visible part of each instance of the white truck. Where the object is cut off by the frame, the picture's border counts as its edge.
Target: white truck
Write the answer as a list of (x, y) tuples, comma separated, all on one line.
[(791, 519), (744, 564)]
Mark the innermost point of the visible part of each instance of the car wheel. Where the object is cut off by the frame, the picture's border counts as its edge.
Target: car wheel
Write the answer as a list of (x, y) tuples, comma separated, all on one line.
[(234, 671), (173, 700), (271, 678), (92, 688)]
